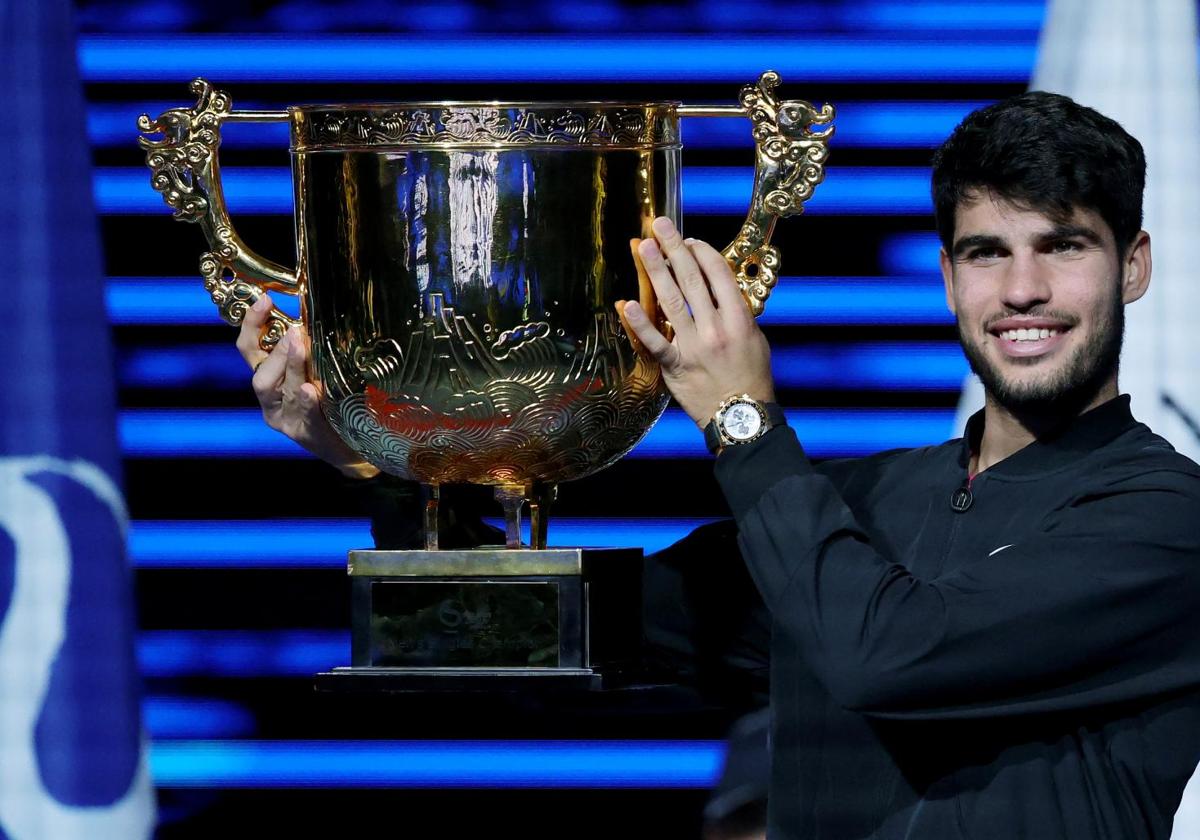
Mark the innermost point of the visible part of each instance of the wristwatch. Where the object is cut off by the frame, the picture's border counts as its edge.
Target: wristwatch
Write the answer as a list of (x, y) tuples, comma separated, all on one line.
[(739, 420)]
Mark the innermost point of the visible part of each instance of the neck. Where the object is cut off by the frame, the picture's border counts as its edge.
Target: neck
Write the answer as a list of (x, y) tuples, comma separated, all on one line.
[(1006, 431)]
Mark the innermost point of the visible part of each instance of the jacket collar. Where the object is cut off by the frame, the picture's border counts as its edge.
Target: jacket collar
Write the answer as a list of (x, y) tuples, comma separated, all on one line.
[(1086, 433)]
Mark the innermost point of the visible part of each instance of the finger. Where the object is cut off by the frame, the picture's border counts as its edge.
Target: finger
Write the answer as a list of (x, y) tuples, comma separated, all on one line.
[(670, 298), (688, 276), (646, 297), (645, 289), (638, 347), (666, 353), (730, 301), (310, 395), (295, 373), (268, 379), (252, 325)]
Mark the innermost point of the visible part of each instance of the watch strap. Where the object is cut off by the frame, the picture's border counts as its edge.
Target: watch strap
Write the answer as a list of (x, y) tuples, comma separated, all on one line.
[(712, 437)]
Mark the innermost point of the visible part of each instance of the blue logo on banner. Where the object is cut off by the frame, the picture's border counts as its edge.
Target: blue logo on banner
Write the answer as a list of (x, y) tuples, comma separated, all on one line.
[(69, 744)]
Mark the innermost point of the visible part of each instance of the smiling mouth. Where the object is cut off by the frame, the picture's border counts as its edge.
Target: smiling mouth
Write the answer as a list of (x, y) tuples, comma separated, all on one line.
[(1031, 341), (1031, 334)]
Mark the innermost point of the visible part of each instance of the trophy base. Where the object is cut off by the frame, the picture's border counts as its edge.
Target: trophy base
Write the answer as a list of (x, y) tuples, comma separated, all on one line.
[(492, 619), (396, 680)]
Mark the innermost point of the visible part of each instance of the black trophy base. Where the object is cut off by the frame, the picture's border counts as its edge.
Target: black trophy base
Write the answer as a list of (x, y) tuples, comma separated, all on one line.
[(492, 619), (373, 680)]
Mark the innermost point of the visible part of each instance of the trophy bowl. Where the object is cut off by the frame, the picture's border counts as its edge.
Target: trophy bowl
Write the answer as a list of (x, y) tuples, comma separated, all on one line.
[(459, 267)]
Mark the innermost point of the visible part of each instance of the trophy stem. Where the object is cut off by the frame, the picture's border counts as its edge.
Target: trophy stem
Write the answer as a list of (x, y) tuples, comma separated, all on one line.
[(512, 500), (540, 497), (431, 517)]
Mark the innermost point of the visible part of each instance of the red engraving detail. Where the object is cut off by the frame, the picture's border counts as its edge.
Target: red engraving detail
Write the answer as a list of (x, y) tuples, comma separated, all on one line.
[(409, 417)]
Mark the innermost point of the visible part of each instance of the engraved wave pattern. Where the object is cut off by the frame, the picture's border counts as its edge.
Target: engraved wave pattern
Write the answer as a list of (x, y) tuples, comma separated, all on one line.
[(508, 432)]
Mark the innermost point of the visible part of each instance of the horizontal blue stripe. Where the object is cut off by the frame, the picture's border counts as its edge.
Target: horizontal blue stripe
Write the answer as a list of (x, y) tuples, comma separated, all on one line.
[(173, 654), (177, 716), (910, 253), (115, 123), (323, 543), (248, 190), (898, 124), (630, 57), (232, 433), (706, 190), (796, 301), (152, 301), (880, 365), (859, 190), (219, 433), (189, 543), (973, 17), (437, 764), (859, 124), (815, 301)]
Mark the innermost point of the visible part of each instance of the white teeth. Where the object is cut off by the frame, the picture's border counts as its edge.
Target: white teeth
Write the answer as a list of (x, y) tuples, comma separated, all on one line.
[(1031, 334)]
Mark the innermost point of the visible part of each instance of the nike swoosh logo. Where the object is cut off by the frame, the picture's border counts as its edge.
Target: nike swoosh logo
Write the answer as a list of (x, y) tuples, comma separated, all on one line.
[(1001, 548)]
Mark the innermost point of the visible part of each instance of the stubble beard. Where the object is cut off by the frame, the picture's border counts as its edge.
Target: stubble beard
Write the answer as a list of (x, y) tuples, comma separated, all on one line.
[(1072, 387)]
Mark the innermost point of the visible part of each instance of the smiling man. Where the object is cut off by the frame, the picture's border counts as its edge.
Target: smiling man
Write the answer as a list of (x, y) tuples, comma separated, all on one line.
[(997, 637)]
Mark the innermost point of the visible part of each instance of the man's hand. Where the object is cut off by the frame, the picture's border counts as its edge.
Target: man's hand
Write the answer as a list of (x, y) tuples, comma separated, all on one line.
[(290, 403), (717, 351)]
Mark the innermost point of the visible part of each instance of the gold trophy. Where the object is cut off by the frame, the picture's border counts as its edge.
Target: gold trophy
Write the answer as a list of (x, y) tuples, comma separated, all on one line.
[(458, 266)]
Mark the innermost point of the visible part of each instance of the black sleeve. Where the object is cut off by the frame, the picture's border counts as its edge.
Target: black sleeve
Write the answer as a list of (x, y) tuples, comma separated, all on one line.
[(1098, 605)]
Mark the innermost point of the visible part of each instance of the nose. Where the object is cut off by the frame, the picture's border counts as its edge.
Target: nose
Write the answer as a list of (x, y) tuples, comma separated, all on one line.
[(1025, 284)]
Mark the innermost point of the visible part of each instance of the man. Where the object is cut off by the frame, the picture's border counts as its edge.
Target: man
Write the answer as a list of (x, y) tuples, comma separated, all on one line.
[(996, 637)]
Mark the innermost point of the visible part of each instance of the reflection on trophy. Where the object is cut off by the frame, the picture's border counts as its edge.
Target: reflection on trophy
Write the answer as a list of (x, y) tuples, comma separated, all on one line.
[(458, 266)]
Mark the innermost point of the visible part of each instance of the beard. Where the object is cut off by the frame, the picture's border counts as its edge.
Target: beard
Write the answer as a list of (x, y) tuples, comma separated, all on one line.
[(1072, 386)]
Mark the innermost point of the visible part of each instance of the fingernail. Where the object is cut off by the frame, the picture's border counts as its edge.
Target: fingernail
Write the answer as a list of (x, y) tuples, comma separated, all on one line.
[(261, 304), (649, 248), (663, 226), (690, 241), (632, 310)]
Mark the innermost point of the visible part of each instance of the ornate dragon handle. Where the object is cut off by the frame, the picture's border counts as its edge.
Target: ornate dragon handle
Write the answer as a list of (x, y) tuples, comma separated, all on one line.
[(184, 169), (791, 141)]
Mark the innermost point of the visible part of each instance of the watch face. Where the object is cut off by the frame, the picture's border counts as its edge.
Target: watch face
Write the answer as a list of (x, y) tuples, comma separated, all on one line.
[(741, 422)]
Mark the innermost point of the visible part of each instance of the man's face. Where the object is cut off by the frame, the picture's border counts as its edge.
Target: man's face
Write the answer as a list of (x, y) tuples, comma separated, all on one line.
[(1040, 302)]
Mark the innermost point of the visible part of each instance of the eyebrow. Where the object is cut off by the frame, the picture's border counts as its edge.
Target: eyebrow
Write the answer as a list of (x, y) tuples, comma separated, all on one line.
[(1071, 232)]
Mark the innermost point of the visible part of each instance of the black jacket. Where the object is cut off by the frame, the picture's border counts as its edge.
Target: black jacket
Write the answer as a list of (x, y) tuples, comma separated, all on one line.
[(1028, 668)]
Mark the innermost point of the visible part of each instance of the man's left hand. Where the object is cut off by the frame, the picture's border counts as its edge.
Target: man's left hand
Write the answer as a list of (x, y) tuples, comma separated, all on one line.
[(717, 350)]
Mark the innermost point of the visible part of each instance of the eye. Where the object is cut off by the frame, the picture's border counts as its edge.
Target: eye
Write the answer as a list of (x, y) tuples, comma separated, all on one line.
[(984, 254), (1065, 246)]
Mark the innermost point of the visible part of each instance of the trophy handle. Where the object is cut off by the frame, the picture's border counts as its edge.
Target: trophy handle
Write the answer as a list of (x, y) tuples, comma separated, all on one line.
[(791, 143), (186, 172)]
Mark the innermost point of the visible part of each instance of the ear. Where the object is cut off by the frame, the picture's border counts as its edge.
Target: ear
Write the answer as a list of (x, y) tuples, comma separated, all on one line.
[(947, 266), (1136, 269)]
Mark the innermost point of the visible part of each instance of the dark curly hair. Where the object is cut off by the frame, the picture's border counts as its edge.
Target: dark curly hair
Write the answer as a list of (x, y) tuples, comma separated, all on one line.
[(1045, 152)]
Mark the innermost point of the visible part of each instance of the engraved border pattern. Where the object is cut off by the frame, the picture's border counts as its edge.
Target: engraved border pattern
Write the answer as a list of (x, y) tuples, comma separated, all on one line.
[(478, 126)]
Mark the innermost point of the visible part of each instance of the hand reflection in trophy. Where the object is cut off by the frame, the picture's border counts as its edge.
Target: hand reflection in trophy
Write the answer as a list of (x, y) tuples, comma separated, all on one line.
[(461, 269)]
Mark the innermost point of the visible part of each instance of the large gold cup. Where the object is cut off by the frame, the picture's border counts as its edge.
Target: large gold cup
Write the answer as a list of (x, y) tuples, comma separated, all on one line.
[(458, 266)]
